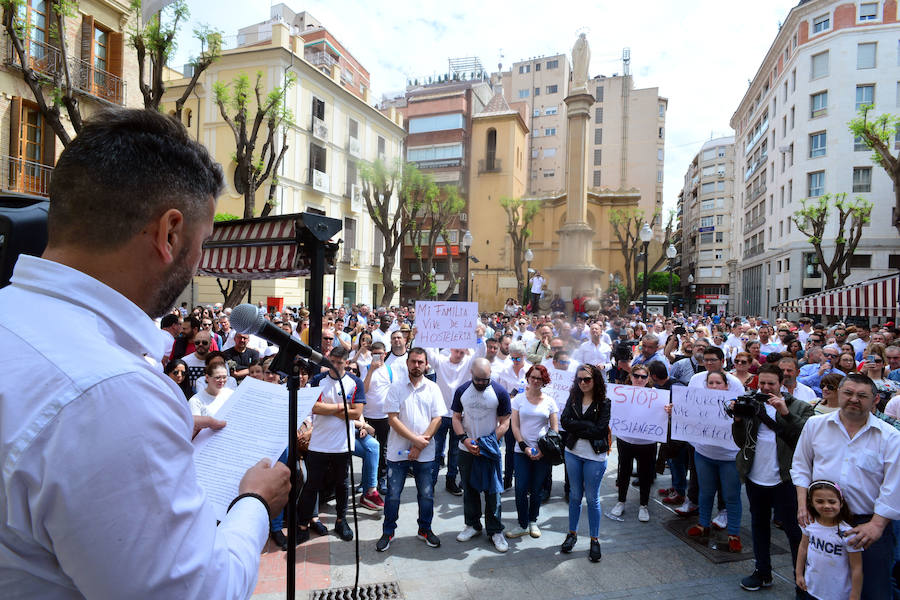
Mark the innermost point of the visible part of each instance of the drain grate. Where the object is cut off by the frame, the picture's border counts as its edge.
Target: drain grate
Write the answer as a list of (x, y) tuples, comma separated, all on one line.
[(372, 591)]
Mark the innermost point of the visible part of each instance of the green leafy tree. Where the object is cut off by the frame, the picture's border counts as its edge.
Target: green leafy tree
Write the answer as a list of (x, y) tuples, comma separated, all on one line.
[(626, 224), (852, 215), (257, 119), (658, 282), (878, 135), (155, 43), (393, 216), (519, 215), (440, 205)]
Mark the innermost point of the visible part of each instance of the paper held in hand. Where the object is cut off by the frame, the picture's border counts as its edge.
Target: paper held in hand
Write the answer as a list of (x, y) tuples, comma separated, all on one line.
[(638, 412), (257, 428), (446, 324), (698, 416)]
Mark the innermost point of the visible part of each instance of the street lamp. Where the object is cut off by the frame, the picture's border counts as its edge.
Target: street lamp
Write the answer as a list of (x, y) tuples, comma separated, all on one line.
[(467, 243), (645, 234), (529, 256), (691, 293), (433, 282), (671, 252)]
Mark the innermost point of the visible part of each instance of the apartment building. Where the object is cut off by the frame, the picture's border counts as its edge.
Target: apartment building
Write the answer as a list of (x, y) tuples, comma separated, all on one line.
[(333, 131), (705, 209), (627, 137), (100, 64), (792, 143)]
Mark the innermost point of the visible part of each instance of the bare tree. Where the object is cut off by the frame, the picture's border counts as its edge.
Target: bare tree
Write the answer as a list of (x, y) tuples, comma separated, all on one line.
[(393, 222), (256, 118), (878, 134), (626, 224), (852, 216), (155, 41), (440, 205), (519, 215)]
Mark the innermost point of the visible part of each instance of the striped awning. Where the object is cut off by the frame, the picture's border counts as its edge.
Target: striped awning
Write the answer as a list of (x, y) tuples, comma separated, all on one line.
[(263, 248), (876, 297)]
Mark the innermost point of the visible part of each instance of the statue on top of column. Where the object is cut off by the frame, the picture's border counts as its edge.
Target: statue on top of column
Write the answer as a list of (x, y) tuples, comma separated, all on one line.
[(581, 60)]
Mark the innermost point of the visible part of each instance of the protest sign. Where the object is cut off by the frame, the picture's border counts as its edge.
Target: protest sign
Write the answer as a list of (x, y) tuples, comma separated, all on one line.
[(638, 412), (560, 385), (698, 416), (446, 324)]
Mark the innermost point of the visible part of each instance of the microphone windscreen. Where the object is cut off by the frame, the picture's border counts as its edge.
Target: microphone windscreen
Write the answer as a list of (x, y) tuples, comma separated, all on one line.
[(245, 318)]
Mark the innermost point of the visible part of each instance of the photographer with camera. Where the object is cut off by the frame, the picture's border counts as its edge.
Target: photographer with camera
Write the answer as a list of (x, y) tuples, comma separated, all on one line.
[(767, 426)]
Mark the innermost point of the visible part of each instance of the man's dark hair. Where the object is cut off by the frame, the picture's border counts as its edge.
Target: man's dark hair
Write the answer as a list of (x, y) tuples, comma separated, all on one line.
[(773, 369), (788, 358), (713, 350), (377, 346), (339, 352), (213, 355), (167, 321), (860, 378), (194, 321), (124, 169), (774, 357), (658, 370), (418, 350)]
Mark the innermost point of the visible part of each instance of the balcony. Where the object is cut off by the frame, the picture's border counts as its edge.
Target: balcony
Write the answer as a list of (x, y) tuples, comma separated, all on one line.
[(356, 198), (489, 166), (753, 251), (438, 163), (754, 224), (319, 129), (321, 182), (756, 137), (18, 175), (354, 147), (46, 59), (320, 59)]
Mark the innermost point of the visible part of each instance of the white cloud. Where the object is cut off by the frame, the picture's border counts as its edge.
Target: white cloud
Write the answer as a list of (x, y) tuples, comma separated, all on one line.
[(699, 54)]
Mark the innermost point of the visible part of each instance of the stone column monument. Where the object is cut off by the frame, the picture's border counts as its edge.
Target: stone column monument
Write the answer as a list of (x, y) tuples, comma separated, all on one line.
[(574, 271)]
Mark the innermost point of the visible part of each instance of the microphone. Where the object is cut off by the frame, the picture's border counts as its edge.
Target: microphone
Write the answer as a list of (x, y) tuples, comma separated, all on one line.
[(246, 319)]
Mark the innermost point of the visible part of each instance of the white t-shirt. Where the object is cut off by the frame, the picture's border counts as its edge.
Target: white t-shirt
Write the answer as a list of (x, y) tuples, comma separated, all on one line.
[(330, 432), (859, 345), (764, 470), (196, 369), (698, 380), (593, 354), (526, 336), (534, 419), (379, 385), (415, 407), (583, 448), (893, 407), (827, 563), (391, 358), (382, 336), (771, 347), (802, 392), (537, 284), (480, 410), (204, 404)]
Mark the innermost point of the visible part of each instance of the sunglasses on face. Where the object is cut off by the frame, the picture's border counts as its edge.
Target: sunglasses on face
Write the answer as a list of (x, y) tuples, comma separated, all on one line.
[(515, 358), (636, 376), (585, 379), (178, 373), (742, 362), (201, 343), (829, 387), (830, 355)]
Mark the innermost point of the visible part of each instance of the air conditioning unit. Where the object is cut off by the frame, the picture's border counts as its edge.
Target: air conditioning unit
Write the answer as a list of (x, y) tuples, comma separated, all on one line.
[(355, 258), (354, 147), (320, 130), (720, 174), (356, 198), (321, 182)]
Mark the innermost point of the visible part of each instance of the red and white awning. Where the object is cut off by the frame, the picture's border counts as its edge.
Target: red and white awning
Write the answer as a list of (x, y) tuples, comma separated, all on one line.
[(876, 297), (264, 248)]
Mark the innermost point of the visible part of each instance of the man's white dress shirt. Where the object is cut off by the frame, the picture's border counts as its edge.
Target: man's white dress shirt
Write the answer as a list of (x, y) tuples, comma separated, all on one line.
[(99, 497)]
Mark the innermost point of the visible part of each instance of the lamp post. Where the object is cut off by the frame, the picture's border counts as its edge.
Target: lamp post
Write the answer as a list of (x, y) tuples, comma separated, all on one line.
[(671, 252), (691, 294), (529, 256), (431, 293), (467, 243), (645, 234)]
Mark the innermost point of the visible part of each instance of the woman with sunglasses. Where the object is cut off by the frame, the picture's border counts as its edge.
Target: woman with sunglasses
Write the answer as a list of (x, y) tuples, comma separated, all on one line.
[(829, 401), (533, 414), (362, 356), (206, 402), (177, 370), (873, 366), (512, 377), (586, 421), (742, 363), (630, 449)]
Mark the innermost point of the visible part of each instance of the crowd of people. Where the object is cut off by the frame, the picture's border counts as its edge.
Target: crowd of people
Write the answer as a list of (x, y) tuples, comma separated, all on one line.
[(819, 457)]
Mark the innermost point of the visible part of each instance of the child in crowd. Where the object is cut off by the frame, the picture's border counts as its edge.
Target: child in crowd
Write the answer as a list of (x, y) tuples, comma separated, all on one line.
[(827, 568)]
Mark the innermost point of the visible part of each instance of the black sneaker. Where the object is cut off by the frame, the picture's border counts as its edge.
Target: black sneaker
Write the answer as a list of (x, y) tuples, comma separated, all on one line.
[(453, 488), (594, 555), (384, 542), (302, 536), (757, 580), (343, 530), (279, 538), (429, 538), (318, 527), (569, 543)]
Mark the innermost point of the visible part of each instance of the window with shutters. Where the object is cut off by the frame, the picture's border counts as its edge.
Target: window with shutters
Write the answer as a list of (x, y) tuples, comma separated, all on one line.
[(41, 55), (351, 178), (32, 149), (100, 70), (598, 157), (598, 115), (598, 136), (597, 178)]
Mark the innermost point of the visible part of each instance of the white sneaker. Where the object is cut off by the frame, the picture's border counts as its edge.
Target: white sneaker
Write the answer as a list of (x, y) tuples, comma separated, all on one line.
[(516, 532), (687, 508), (643, 514), (721, 520), (533, 530), (500, 542), (467, 534), (618, 509)]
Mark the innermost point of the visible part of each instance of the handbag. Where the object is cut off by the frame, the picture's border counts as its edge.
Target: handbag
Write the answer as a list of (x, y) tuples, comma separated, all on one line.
[(551, 447)]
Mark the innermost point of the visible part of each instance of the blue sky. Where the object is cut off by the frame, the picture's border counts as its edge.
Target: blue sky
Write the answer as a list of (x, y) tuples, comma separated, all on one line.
[(699, 54)]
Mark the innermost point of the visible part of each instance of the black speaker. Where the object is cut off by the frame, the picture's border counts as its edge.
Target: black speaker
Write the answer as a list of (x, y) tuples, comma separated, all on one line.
[(23, 229)]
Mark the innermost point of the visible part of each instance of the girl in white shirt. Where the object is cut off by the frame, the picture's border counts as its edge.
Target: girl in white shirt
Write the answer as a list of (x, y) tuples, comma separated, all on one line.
[(827, 567), (206, 402)]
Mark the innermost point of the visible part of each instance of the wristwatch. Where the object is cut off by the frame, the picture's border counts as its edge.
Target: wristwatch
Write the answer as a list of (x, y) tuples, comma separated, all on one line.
[(523, 446)]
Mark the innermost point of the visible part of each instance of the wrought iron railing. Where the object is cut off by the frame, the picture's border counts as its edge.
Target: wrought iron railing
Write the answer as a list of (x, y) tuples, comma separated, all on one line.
[(19, 175)]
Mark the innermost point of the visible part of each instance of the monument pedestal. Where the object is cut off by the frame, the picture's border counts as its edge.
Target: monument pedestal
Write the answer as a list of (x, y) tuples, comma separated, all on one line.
[(575, 272)]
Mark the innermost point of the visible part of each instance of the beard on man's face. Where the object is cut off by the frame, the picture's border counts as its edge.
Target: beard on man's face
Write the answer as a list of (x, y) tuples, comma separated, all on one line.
[(174, 281)]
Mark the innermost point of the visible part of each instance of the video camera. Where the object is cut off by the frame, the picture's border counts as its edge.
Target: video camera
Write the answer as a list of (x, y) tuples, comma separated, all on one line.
[(748, 405)]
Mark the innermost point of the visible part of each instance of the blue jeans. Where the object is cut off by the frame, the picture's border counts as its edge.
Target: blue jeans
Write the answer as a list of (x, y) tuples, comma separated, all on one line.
[(368, 449), (277, 522), (530, 475), (709, 473), (396, 474), (440, 438), (678, 467), (472, 500), (584, 481)]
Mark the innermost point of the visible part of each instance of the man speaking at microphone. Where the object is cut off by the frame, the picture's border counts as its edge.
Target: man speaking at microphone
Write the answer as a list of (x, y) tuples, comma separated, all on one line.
[(99, 497)]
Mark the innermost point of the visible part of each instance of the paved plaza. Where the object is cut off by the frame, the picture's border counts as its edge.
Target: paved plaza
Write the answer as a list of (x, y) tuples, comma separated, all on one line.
[(640, 560)]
